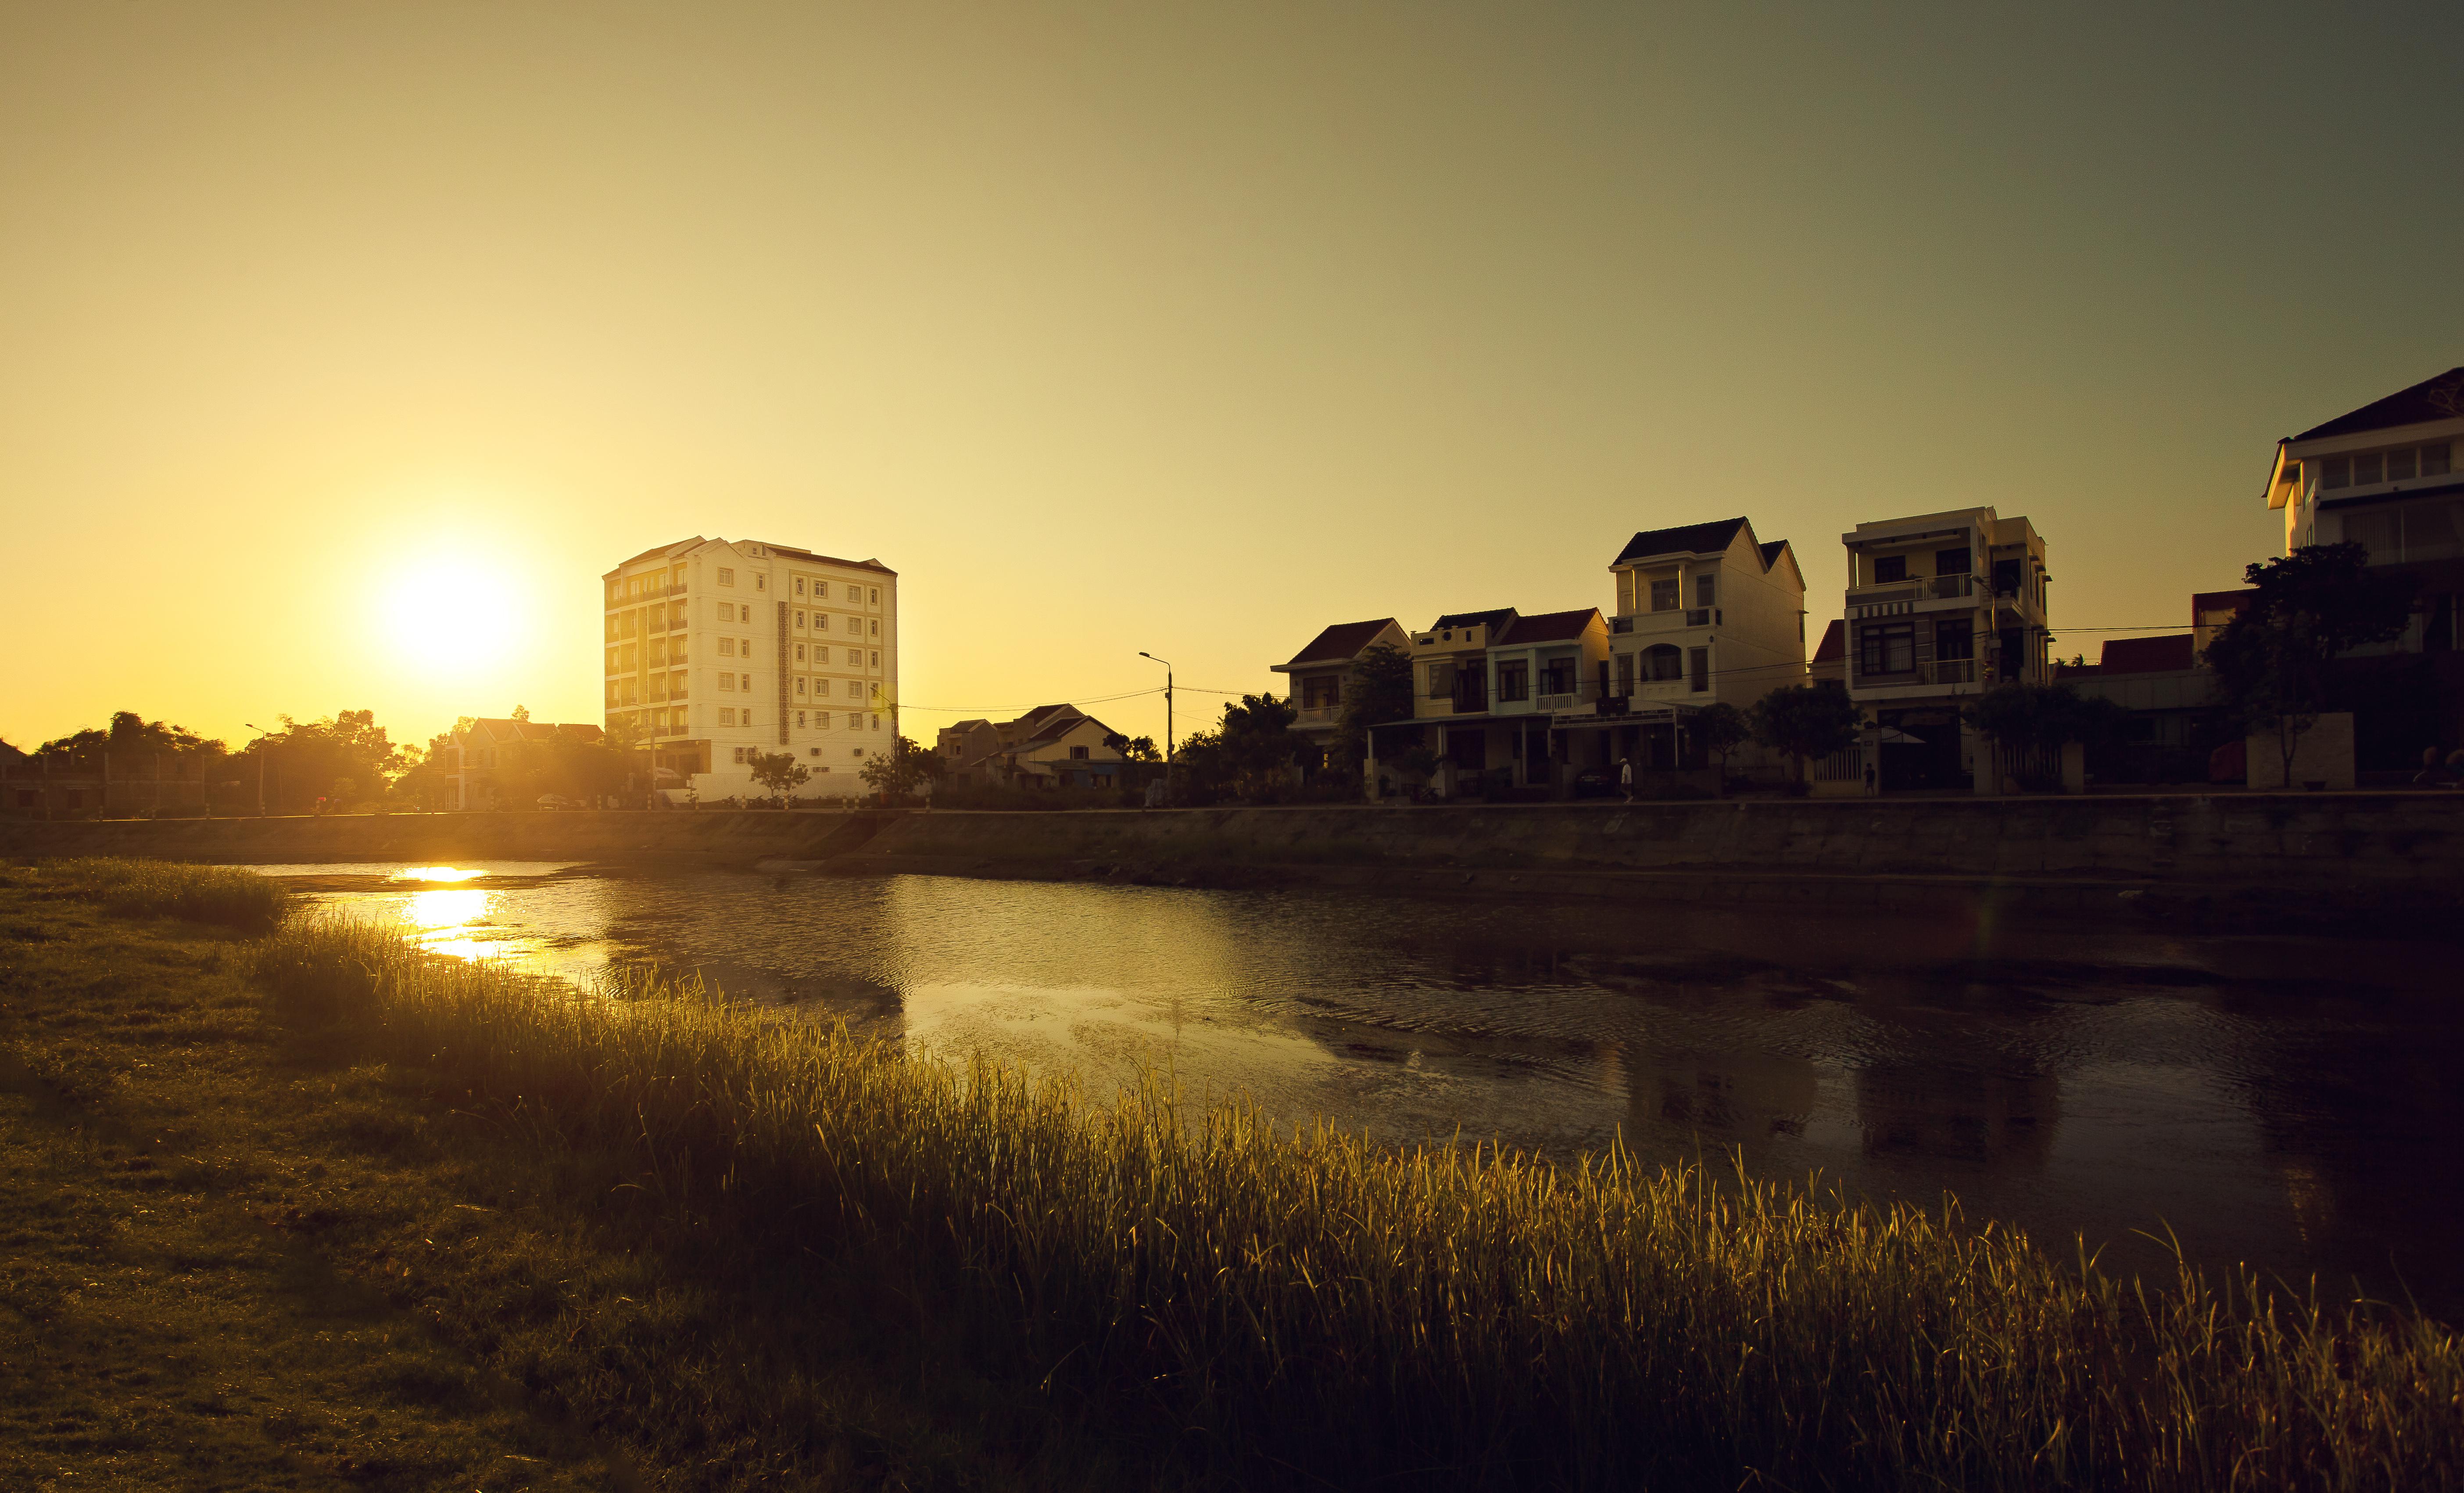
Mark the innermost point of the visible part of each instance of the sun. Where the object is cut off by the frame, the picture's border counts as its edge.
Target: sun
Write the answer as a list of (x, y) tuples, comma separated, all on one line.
[(451, 616)]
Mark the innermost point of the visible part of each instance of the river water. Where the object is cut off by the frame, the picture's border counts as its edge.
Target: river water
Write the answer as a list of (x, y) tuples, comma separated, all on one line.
[(2290, 1102)]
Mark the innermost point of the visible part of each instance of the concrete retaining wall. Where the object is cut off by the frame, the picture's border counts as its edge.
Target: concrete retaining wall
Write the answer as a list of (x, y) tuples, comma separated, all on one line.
[(720, 837)]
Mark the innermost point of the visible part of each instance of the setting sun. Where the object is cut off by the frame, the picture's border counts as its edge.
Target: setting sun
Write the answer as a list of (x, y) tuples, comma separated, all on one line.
[(453, 617)]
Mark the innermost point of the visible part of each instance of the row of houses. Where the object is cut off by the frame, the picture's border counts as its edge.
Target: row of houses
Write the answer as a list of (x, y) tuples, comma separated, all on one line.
[(1938, 606), (1936, 609)]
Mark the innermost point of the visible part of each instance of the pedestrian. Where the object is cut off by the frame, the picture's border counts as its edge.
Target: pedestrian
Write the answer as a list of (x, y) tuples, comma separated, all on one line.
[(1872, 789), (1625, 777)]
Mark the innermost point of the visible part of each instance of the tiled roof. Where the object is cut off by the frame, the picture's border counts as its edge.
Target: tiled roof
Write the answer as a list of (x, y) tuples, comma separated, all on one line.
[(2148, 655), (2440, 398), (1771, 552), (1488, 619), (1551, 627), (1691, 539), (1340, 643), (807, 554), (651, 554), (1833, 647)]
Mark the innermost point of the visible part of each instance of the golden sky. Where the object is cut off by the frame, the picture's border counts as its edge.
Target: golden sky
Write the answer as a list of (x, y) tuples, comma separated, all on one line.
[(343, 347)]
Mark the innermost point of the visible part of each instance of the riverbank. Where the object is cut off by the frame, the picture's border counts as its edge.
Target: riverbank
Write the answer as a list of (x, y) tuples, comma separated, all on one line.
[(654, 1238), (2328, 860)]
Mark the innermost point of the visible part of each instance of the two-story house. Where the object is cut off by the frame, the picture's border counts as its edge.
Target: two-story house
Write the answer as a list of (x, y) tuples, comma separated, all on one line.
[(1941, 607), (1049, 746), (1320, 671), (2385, 476), (1542, 670)]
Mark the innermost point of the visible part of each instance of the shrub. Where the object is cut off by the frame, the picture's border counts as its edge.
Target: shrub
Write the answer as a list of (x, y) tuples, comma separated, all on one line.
[(227, 896)]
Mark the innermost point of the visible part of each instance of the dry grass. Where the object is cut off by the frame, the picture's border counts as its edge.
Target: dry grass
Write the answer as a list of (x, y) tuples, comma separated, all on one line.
[(224, 896), (1235, 1306)]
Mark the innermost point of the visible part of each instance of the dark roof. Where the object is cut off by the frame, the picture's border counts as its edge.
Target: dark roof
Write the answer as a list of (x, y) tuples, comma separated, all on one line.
[(1691, 539), (807, 554), (1833, 647), (1551, 627), (2440, 398), (1487, 619), (1771, 552), (660, 550), (1340, 643), (2148, 655)]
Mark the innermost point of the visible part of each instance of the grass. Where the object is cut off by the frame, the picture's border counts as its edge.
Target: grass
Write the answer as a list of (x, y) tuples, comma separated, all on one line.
[(1223, 1305), (223, 896), (313, 1209)]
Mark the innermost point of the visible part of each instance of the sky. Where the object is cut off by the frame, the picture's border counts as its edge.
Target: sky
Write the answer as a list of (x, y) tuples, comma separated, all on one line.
[(343, 347)]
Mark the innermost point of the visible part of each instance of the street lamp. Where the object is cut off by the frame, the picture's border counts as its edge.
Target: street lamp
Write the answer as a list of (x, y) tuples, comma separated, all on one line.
[(261, 736), (1167, 713)]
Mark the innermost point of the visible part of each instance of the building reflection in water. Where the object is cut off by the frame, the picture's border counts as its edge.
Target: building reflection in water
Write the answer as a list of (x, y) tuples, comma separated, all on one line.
[(2004, 1120)]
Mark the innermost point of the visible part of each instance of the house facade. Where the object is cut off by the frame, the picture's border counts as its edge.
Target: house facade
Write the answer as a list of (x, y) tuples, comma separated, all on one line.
[(718, 650), (2385, 476), (1049, 746), (1318, 675), (1706, 613), (1941, 607), (478, 757)]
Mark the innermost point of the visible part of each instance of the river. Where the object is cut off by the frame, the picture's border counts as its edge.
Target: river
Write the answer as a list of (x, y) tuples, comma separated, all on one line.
[(2291, 1102)]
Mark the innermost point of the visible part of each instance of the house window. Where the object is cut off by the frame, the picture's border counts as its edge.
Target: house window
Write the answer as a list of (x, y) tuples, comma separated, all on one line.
[(1077, 753), (2368, 469), (1950, 562), (1322, 692), (2399, 465), (1514, 680), (1886, 648), (1624, 675), (1557, 677), (1707, 590), (1888, 569), (1955, 637), (2435, 459), (1698, 668), (2336, 472), (1442, 681), (726, 576), (1663, 596), (1662, 662)]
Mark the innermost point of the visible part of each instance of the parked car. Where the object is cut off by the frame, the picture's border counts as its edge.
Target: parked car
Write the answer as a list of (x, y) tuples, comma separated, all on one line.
[(1595, 783), (555, 801)]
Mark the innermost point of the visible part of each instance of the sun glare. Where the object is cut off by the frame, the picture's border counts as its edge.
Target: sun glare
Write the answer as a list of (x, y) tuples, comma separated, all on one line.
[(450, 617)]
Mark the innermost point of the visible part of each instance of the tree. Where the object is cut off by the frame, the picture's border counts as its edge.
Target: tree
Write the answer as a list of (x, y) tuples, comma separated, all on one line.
[(1139, 758), (1806, 721), (304, 760), (2017, 713), (1378, 690), (522, 712), (907, 767), (1720, 730), (1258, 741), (777, 770), (2274, 661)]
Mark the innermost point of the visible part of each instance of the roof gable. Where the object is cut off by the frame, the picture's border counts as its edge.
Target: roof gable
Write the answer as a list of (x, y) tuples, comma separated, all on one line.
[(1342, 642), (1488, 619), (1689, 538), (1551, 627), (2439, 398), (1833, 647)]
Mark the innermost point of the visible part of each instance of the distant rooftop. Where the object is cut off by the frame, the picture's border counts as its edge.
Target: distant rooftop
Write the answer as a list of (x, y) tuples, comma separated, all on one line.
[(2439, 398)]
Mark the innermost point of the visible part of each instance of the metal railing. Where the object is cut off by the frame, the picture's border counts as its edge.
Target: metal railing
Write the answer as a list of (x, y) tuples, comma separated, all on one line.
[(1934, 671), (1677, 619)]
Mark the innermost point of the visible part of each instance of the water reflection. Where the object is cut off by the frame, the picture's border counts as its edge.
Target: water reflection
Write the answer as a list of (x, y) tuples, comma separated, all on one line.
[(2272, 1100)]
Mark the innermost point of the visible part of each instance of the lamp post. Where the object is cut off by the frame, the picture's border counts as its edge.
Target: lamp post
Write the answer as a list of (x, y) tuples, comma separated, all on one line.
[(261, 735), (1166, 714)]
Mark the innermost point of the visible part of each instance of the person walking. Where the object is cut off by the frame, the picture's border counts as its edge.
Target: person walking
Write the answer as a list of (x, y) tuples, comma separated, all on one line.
[(1625, 778), (1872, 789)]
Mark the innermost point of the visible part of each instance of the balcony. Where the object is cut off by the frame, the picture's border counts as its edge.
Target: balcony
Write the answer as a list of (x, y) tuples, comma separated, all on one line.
[(1308, 717), (1933, 673), (1926, 594), (1672, 620)]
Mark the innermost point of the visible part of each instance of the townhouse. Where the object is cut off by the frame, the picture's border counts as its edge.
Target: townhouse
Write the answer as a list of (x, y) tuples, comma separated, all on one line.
[(1049, 746), (1317, 676)]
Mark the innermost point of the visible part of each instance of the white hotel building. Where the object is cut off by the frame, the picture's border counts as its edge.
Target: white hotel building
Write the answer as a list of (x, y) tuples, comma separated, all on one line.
[(718, 650)]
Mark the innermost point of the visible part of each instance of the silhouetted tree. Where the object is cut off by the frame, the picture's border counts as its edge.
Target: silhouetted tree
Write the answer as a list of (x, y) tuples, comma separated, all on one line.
[(1806, 721), (2275, 660), (1720, 730), (1378, 690)]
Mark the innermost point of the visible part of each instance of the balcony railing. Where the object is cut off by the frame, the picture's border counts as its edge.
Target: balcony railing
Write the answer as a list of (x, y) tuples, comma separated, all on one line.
[(1672, 620), (1317, 715), (1872, 601), (1932, 672)]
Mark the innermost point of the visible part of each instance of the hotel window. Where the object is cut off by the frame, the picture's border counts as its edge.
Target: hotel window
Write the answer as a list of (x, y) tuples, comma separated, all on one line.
[(800, 685), (855, 659), (876, 596), (858, 752), (821, 720), (1662, 662), (799, 719), (726, 715), (727, 647), (876, 660), (876, 723), (727, 682), (727, 611), (800, 586), (820, 621), (726, 577), (1624, 675), (877, 628), (1557, 677), (740, 756), (1888, 569), (800, 653), (821, 591), (1663, 596), (761, 583), (748, 683), (2399, 465)]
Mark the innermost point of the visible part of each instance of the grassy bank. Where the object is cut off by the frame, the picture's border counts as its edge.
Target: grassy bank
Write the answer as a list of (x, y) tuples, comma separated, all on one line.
[(313, 1210), (1238, 1306)]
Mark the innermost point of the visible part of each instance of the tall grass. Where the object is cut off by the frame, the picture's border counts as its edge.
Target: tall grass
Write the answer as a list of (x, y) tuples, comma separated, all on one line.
[(1310, 1309), (226, 896)]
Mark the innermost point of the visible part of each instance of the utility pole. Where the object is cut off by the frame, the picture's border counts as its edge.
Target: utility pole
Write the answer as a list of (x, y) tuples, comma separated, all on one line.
[(1167, 716)]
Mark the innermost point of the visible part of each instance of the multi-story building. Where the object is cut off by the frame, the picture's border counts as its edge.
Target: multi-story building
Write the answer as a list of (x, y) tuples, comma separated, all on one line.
[(1707, 612), (2385, 476), (717, 651), (1940, 608), (1319, 672)]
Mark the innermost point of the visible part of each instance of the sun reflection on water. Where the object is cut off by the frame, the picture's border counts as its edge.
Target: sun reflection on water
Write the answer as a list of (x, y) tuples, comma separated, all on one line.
[(436, 873), (449, 922)]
